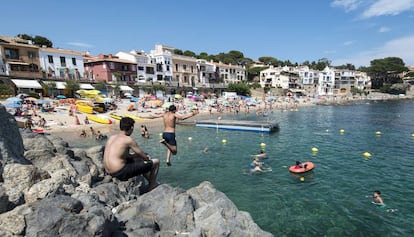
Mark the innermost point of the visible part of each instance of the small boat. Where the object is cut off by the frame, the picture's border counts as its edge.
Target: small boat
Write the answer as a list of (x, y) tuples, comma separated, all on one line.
[(133, 117), (99, 119), (115, 116), (309, 166), (84, 106)]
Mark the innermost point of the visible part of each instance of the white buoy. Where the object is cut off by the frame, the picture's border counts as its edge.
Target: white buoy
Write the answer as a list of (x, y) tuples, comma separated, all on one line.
[(314, 149), (341, 131), (262, 145), (190, 138), (224, 141), (378, 133)]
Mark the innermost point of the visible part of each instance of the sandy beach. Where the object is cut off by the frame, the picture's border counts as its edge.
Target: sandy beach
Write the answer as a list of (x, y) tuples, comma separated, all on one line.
[(60, 121)]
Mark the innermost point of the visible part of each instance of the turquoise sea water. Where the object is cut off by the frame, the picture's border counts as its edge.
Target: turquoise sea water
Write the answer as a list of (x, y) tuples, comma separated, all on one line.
[(335, 198)]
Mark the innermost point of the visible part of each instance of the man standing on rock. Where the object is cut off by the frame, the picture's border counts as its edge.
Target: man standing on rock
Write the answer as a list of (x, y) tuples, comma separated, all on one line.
[(119, 163)]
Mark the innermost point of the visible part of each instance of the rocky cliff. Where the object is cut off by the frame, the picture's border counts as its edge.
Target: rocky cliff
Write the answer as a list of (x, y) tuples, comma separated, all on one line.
[(50, 189)]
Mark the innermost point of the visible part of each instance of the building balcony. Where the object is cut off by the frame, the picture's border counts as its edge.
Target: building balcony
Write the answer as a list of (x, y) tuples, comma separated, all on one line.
[(25, 74)]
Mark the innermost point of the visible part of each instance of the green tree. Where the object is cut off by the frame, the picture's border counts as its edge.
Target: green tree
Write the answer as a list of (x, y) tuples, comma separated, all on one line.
[(385, 71), (100, 85), (49, 88), (189, 53), (72, 86), (348, 66), (204, 56), (6, 89), (40, 41), (239, 88), (269, 61), (178, 51), (37, 40)]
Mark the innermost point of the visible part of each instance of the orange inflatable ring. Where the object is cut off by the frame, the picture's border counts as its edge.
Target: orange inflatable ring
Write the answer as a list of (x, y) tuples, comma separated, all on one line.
[(309, 167)]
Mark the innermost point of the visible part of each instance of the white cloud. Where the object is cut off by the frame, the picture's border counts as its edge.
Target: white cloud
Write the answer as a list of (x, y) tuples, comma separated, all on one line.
[(80, 44), (347, 43), (401, 48), (348, 5), (388, 7), (384, 29), (329, 51)]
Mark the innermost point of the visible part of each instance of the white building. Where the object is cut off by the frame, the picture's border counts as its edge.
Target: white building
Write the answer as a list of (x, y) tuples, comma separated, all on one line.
[(145, 69), (161, 56), (2, 66), (206, 71), (326, 81), (61, 63), (273, 77)]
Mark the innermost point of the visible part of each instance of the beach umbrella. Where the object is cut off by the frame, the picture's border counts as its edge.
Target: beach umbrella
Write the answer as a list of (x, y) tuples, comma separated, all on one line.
[(61, 97), (30, 99), (133, 99), (22, 95), (14, 99), (14, 105), (166, 105), (39, 102)]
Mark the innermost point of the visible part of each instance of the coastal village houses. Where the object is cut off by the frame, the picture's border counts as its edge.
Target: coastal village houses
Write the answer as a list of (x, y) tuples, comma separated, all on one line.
[(303, 81), (28, 68)]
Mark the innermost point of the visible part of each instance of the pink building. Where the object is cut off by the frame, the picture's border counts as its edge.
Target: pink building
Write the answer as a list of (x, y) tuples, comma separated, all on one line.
[(110, 68)]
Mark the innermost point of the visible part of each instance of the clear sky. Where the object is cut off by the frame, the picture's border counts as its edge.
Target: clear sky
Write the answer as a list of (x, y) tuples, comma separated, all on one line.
[(343, 31)]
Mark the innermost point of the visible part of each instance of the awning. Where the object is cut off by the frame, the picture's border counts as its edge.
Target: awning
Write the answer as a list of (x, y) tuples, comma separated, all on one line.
[(125, 88), (31, 84), (296, 90), (59, 84), (18, 63), (86, 86)]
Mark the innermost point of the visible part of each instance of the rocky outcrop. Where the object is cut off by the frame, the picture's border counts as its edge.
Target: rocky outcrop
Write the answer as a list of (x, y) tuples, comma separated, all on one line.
[(51, 189)]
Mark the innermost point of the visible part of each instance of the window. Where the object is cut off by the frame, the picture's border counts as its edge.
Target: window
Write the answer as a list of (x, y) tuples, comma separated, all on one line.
[(63, 61), (74, 61), (31, 54), (11, 53), (50, 58)]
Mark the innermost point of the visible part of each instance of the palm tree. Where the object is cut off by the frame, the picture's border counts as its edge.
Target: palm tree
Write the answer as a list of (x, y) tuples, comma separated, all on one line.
[(72, 86), (49, 87)]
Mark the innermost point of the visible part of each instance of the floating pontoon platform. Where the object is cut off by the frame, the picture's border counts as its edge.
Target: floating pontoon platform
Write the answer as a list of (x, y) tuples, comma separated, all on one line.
[(239, 125)]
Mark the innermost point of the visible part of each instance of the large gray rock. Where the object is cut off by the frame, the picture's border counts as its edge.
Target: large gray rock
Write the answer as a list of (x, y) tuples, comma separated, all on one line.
[(63, 191), (11, 143)]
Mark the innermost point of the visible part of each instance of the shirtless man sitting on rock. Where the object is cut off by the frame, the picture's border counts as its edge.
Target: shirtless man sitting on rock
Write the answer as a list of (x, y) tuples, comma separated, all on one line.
[(119, 163)]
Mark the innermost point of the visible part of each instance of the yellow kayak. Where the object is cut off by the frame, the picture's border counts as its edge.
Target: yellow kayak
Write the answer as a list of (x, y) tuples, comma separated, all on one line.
[(99, 119), (115, 116), (133, 117)]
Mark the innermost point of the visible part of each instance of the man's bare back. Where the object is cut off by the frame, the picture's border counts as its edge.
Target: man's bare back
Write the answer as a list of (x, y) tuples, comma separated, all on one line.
[(116, 151)]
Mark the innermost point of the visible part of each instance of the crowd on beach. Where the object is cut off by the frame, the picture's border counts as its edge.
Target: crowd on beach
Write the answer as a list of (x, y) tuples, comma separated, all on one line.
[(59, 116)]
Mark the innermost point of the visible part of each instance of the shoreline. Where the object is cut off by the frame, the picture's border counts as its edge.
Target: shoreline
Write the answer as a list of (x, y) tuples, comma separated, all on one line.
[(60, 122)]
